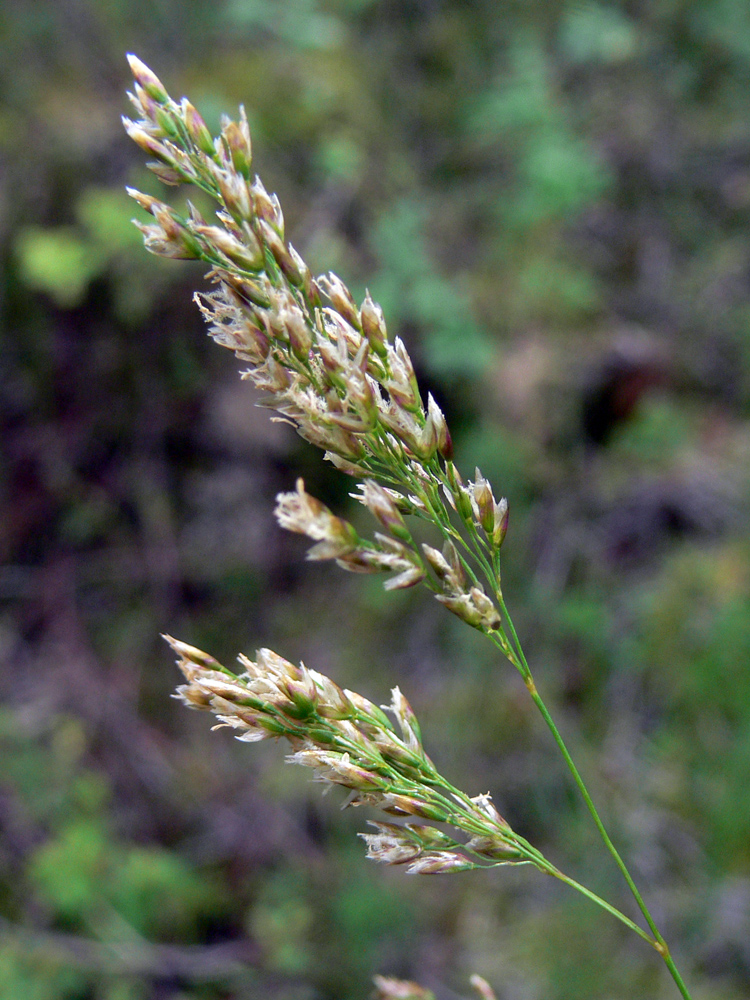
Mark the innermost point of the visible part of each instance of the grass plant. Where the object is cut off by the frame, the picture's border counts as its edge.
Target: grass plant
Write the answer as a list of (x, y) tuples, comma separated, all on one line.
[(327, 366)]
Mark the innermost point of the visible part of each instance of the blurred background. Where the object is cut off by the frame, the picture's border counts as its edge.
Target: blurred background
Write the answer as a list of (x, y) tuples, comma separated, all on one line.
[(551, 200)]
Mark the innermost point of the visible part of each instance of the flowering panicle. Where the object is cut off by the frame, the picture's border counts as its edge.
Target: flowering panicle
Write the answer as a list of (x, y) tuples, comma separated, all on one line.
[(325, 364), (347, 740)]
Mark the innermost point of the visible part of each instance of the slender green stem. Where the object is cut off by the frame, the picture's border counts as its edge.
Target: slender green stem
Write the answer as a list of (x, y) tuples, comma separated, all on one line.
[(536, 698), (522, 663), (464, 821), (515, 653), (674, 972), (658, 941), (605, 906)]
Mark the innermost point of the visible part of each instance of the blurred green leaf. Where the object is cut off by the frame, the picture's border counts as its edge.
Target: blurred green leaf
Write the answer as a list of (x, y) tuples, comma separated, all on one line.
[(593, 32), (57, 261), (107, 217)]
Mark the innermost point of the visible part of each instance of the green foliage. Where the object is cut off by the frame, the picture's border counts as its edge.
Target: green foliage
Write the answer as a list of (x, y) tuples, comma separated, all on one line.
[(659, 433), (58, 262), (71, 870), (281, 922), (84, 870), (86, 877), (33, 979), (303, 24), (63, 260), (412, 292), (598, 33), (340, 942)]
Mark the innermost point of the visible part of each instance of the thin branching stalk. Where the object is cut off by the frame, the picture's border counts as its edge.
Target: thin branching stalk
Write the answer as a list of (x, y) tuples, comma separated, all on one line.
[(350, 742)]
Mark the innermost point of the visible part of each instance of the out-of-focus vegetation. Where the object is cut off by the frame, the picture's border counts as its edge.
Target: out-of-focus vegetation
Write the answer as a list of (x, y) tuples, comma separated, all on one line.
[(552, 203)]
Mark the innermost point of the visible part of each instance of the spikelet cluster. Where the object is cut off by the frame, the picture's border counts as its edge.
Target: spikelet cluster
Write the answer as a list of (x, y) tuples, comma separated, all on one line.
[(324, 363), (347, 740)]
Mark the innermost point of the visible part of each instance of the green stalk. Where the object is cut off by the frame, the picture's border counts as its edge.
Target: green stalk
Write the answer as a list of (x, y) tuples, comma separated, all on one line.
[(536, 858), (658, 941), (605, 906)]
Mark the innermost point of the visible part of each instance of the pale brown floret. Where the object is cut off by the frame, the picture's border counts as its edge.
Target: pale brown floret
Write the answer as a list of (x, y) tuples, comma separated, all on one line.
[(439, 863), (338, 540), (407, 720), (390, 845), (338, 769), (373, 326), (147, 79), (474, 607), (482, 987), (450, 573), (340, 297), (389, 988), (302, 513), (490, 514)]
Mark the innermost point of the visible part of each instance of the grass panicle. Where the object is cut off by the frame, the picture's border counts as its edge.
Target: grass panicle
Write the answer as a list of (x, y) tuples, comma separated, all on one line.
[(327, 366)]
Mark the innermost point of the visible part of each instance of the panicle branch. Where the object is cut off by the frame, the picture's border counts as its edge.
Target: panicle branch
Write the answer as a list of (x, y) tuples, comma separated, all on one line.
[(347, 740)]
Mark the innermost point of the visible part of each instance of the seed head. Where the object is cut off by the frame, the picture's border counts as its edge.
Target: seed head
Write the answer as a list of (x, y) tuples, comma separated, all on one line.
[(146, 201), (197, 128), (500, 528), (483, 502), (328, 370), (486, 807), (407, 805), (382, 505), (297, 331), (407, 720), (439, 428), (340, 297), (267, 206), (247, 255), (236, 136), (280, 251), (143, 138), (474, 607)]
